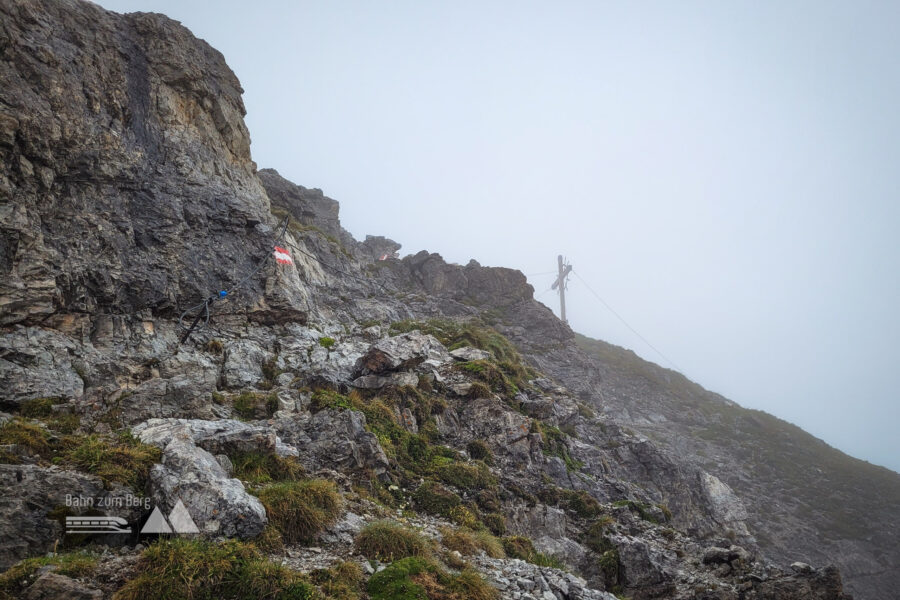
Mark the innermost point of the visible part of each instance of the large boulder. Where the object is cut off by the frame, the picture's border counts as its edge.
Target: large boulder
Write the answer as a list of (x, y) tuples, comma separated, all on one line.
[(224, 436), (334, 439), (37, 362), (402, 352), (52, 586), (35, 497), (218, 504)]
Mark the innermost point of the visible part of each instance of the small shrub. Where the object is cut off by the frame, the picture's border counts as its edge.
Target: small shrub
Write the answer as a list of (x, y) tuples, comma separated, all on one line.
[(435, 499), (495, 522), (300, 510), (478, 450), (468, 542), (388, 541), (326, 342), (197, 569), (463, 516), (215, 347)]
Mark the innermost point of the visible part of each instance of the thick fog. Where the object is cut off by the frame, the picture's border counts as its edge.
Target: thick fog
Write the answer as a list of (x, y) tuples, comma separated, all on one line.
[(725, 175)]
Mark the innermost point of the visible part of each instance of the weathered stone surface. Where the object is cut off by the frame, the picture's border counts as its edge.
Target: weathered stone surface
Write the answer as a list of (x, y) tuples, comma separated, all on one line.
[(117, 196), (155, 203), (30, 492), (470, 353), (52, 586), (334, 440), (37, 363), (218, 504), (403, 352), (223, 436)]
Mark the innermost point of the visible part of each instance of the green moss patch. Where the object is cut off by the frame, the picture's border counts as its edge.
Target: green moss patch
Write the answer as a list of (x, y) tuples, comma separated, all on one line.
[(421, 579)]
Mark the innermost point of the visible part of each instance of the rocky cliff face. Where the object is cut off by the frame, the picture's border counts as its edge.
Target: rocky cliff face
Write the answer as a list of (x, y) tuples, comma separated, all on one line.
[(323, 398)]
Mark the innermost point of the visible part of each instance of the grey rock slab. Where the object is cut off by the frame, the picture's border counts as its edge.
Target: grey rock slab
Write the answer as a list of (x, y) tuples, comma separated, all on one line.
[(218, 504)]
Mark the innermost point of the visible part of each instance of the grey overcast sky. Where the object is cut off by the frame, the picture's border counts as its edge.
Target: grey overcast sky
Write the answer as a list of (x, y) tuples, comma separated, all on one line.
[(726, 175)]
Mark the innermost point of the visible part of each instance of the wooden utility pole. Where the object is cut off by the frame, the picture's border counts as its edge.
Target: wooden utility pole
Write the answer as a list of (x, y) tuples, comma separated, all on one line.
[(564, 270)]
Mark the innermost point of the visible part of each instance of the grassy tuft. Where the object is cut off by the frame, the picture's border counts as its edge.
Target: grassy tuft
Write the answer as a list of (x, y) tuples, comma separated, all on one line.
[(28, 435), (300, 510), (124, 460), (253, 405), (343, 581), (479, 450), (183, 569), (326, 342), (522, 548), (388, 541), (265, 467), (469, 543), (416, 578), (471, 476), (435, 499)]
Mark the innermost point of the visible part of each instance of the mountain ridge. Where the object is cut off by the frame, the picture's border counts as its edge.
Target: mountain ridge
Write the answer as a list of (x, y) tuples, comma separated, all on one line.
[(441, 397)]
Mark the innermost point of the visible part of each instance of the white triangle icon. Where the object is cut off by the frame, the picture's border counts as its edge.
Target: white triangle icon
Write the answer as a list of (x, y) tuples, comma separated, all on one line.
[(156, 523), (181, 519)]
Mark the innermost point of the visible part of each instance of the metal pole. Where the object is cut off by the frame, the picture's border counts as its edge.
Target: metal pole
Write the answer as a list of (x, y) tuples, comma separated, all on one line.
[(562, 290)]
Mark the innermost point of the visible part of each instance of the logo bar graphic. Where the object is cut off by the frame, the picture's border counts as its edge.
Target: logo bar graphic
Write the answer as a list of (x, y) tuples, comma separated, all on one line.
[(97, 525)]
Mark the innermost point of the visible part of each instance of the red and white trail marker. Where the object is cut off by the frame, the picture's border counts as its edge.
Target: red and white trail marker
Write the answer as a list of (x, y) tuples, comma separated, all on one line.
[(282, 256)]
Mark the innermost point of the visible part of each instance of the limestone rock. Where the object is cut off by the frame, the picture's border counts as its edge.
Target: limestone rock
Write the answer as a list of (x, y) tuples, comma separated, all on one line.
[(402, 352), (470, 353), (31, 492), (219, 505), (52, 586)]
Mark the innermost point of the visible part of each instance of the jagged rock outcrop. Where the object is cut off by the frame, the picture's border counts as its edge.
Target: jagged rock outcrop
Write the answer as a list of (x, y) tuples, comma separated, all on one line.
[(36, 500), (124, 204), (138, 192)]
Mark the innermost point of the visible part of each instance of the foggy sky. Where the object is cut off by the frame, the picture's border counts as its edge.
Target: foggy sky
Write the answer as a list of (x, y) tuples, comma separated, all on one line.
[(724, 174)]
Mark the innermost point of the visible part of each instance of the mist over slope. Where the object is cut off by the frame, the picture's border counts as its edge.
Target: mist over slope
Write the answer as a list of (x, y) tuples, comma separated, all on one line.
[(440, 398)]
